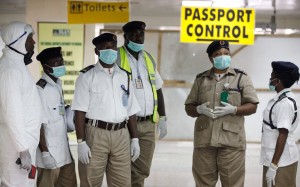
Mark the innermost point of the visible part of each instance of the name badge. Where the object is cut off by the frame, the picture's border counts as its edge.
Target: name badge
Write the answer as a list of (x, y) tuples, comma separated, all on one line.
[(224, 96), (139, 83), (125, 99), (62, 110)]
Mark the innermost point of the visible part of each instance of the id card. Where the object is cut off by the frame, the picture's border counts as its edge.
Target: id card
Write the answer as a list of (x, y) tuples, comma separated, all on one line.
[(62, 110), (139, 83), (125, 99), (224, 96)]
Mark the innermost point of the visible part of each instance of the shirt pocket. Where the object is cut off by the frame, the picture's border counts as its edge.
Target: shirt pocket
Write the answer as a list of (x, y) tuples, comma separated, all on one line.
[(54, 115), (229, 135), (98, 94), (234, 97), (205, 93)]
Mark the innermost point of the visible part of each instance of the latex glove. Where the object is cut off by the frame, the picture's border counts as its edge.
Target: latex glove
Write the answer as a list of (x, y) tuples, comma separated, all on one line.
[(134, 149), (271, 174), (25, 158), (84, 153), (48, 160), (225, 110), (202, 109), (162, 127)]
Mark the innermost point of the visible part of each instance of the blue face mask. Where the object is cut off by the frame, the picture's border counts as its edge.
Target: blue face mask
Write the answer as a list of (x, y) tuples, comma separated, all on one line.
[(222, 62), (108, 56), (135, 46), (58, 71), (272, 87)]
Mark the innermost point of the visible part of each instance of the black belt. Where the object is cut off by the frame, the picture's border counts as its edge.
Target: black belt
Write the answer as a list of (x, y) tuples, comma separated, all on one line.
[(107, 126), (146, 118)]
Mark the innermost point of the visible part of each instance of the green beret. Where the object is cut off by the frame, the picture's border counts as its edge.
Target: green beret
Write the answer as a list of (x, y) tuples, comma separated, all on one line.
[(216, 45), (48, 54), (105, 37), (134, 25)]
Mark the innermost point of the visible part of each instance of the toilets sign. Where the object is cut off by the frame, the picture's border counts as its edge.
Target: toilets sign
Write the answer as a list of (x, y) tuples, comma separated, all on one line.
[(203, 25), (98, 12)]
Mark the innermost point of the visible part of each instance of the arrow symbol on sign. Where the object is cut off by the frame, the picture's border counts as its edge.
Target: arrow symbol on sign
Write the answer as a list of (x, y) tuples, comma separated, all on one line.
[(121, 7)]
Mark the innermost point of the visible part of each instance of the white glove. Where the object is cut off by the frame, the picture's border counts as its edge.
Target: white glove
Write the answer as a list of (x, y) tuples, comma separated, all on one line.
[(48, 160), (84, 153), (25, 160), (162, 127), (134, 149), (202, 109), (271, 174), (222, 111)]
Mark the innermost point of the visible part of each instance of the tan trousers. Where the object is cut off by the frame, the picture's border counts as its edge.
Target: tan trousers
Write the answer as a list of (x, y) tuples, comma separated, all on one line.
[(60, 177), (140, 169), (285, 176), (209, 162), (111, 154)]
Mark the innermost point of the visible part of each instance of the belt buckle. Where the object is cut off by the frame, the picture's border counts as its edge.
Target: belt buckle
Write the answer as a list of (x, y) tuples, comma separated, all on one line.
[(93, 123)]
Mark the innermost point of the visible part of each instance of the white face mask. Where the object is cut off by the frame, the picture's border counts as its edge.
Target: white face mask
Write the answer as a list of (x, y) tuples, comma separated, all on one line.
[(222, 62)]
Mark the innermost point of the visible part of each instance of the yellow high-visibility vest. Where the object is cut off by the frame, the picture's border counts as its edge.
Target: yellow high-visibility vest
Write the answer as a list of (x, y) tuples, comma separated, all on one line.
[(150, 63)]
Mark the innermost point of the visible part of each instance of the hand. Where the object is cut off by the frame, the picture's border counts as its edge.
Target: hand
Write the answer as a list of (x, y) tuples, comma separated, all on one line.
[(84, 153), (271, 174), (222, 111), (25, 160), (134, 149), (48, 160), (202, 109), (162, 127)]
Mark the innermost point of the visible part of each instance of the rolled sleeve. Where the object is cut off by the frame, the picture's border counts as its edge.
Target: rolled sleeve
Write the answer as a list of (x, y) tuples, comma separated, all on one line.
[(285, 114), (81, 94), (248, 93)]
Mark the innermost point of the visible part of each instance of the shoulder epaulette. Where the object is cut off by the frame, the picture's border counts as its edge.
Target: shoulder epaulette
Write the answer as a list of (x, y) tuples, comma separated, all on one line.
[(239, 71), (200, 74), (42, 83), (125, 70), (86, 69)]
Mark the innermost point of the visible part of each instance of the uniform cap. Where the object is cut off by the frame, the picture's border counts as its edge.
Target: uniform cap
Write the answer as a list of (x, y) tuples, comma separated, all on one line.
[(105, 37), (134, 25), (282, 66), (48, 54), (216, 45)]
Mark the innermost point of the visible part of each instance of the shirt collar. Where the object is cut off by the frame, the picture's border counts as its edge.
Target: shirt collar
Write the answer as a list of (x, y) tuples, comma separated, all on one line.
[(281, 92), (211, 73), (101, 68), (50, 81)]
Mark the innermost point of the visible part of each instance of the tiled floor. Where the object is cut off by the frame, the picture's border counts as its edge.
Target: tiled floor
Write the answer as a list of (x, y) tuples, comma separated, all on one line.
[(172, 165)]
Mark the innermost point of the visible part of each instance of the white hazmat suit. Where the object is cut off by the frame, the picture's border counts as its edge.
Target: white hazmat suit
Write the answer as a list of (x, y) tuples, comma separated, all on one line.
[(20, 108)]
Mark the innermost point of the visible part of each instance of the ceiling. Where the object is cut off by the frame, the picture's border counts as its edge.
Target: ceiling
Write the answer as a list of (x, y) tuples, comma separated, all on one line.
[(169, 8)]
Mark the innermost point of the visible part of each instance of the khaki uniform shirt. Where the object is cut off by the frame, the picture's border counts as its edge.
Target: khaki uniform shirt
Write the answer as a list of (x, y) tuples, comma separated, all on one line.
[(226, 131)]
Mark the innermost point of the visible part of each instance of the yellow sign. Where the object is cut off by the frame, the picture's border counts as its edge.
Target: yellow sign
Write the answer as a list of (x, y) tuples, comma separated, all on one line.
[(98, 12), (204, 25), (70, 37)]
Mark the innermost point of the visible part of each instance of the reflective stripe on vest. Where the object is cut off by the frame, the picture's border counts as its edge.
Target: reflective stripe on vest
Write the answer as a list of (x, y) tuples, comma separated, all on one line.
[(151, 73)]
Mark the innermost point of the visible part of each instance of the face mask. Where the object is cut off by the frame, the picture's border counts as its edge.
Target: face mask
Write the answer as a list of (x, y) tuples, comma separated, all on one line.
[(135, 46), (222, 62), (272, 87), (27, 57), (58, 71), (108, 56)]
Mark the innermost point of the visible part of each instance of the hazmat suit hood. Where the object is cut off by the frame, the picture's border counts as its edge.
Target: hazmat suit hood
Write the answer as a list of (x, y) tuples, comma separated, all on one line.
[(15, 35)]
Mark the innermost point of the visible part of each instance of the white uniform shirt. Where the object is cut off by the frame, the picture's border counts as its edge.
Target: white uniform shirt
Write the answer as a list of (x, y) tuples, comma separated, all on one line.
[(54, 123), (20, 105), (145, 95), (282, 117), (101, 96)]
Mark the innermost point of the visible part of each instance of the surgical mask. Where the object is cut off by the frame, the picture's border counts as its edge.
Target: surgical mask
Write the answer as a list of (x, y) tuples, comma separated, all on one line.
[(135, 46), (58, 71), (222, 62), (27, 57), (108, 56), (272, 87)]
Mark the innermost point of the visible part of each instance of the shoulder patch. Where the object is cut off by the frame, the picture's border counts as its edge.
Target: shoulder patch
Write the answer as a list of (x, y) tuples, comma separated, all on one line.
[(125, 70), (42, 83), (239, 71), (86, 69), (200, 74)]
